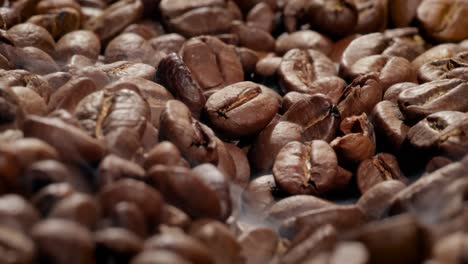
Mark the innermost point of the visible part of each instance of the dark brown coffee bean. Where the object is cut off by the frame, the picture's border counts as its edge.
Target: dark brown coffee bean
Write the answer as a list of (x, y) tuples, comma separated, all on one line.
[(300, 68), (259, 245), (312, 118), (164, 153), (175, 217), (166, 44), (80, 208), (46, 6), (28, 80), (17, 213), (27, 34), (309, 168), (252, 37), (242, 109), (391, 94), (129, 47), (268, 66), (404, 242), (13, 114), (444, 20), (441, 51), (129, 216), (180, 185), (442, 95), (30, 101), (403, 12), (195, 140), (442, 133), (117, 70), (334, 18), (259, 194), (119, 117), (241, 163), (353, 102), (82, 42), (389, 125), (450, 249), (18, 247), (404, 42), (159, 257), (212, 63), (372, 15), (29, 150), (35, 61), (261, 16), (148, 29), (436, 163), (113, 169), (199, 17), (59, 21), (114, 19), (148, 200), (177, 78), (181, 244), (376, 201), (79, 147), (442, 69), (303, 39), (296, 205), (248, 59), (42, 173), (313, 243), (391, 70), (381, 167), (222, 244), (358, 142), (116, 245), (74, 240), (50, 195), (69, 95)]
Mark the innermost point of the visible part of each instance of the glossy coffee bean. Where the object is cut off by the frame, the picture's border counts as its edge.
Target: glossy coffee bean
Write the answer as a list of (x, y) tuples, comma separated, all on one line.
[(259, 245), (303, 39), (17, 213), (334, 18), (80, 208), (381, 167), (113, 168), (116, 245), (20, 248), (376, 201), (295, 205), (27, 34)]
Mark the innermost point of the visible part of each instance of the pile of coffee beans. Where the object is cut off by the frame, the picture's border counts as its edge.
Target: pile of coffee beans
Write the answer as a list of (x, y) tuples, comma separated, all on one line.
[(233, 131)]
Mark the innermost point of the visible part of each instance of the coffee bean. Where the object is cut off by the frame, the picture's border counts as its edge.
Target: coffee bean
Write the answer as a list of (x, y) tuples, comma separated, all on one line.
[(31, 102), (295, 205), (20, 248), (260, 193), (129, 47), (261, 16), (381, 167), (403, 12), (116, 245), (17, 213), (372, 15), (112, 169), (334, 18), (376, 201), (80, 208), (391, 94), (27, 34), (442, 69), (158, 257), (252, 37), (129, 216)]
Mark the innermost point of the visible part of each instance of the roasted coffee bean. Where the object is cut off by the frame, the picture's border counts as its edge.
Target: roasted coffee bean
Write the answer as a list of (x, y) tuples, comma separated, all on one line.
[(29, 150), (442, 133), (18, 247), (35, 61), (114, 168), (241, 163), (259, 245), (166, 44), (436, 163), (444, 20), (119, 117), (442, 95), (212, 63), (148, 29), (78, 147), (129, 47), (181, 244), (177, 78), (442, 69), (295, 205), (252, 37), (372, 15), (303, 39), (180, 186), (199, 17), (218, 238), (12, 115), (42, 173), (404, 243), (389, 125), (260, 193), (195, 140), (242, 109), (114, 19), (312, 118), (403, 12), (27, 34), (309, 168), (441, 51), (381, 167), (80, 208), (30, 101), (391, 70), (300, 68), (311, 245), (69, 95), (174, 217), (47, 6), (17, 213), (376, 201), (248, 59), (360, 96), (74, 241), (117, 70), (129, 216), (358, 142), (268, 66), (28, 80), (261, 16), (335, 18), (391, 94), (50, 195), (159, 257), (116, 245), (59, 21), (148, 200), (164, 153)]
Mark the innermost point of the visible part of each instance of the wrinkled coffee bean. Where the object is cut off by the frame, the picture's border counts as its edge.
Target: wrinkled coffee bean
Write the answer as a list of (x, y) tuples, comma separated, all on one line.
[(442, 69), (381, 167)]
